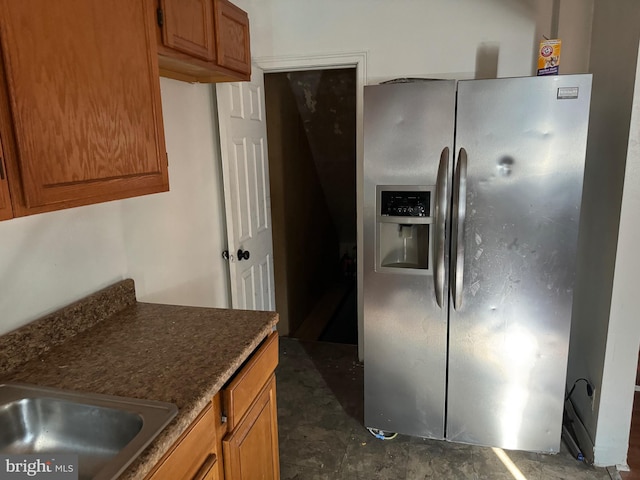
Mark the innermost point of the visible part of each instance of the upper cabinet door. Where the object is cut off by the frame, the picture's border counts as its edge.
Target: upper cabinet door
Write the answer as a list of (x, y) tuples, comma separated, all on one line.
[(187, 26), (82, 93), (5, 201), (232, 37), (202, 40)]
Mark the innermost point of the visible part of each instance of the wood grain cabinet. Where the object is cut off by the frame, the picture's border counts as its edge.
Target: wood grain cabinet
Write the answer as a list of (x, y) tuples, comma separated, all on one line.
[(194, 455), (81, 118), (250, 448), (203, 41), (186, 27), (236, 436)]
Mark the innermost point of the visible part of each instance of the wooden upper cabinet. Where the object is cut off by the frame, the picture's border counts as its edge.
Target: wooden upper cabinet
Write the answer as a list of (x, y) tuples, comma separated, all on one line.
[(232, 37), (81, 99), (5, 200), (183, 41), (185, 27)]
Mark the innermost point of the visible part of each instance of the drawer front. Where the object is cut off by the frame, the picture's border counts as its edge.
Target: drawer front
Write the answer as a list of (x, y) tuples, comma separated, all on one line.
[(192, 450), (244, 388), (208, 470)]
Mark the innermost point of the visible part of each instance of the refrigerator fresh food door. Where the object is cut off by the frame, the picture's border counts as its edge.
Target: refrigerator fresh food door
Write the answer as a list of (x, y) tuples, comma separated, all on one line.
[(517, 229), (408, 142)]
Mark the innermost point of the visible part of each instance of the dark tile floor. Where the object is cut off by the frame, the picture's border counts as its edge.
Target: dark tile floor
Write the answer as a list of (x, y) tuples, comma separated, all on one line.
[(320, 415)]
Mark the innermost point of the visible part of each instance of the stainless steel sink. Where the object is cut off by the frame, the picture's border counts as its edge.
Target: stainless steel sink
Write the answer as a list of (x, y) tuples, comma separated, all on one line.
[(106, 432)]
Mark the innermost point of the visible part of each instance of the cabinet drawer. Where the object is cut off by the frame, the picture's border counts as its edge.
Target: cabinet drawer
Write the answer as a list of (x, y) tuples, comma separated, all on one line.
[(193, 449), (250, 451), (238, 396), (209, 469)]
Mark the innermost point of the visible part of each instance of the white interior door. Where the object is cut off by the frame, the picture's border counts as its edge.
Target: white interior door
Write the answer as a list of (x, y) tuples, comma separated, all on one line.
[(245, 171)]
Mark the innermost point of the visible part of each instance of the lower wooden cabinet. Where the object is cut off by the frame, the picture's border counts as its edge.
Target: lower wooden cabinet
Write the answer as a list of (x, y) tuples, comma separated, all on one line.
[(251, 449), (192, 452), (236, 435), (209, 469)]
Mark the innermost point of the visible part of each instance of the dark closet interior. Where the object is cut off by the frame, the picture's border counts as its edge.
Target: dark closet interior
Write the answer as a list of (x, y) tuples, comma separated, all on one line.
[(311, 127)]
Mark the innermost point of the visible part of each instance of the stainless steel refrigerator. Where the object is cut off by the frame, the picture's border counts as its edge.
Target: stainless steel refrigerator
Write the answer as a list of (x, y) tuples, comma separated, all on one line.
[(472, 193)]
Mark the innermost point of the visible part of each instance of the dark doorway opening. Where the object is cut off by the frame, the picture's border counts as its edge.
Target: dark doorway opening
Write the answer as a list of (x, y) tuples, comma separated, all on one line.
[(311, 126)]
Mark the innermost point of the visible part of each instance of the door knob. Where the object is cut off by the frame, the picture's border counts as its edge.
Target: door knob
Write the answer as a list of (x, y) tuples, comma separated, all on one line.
[(243, 254)]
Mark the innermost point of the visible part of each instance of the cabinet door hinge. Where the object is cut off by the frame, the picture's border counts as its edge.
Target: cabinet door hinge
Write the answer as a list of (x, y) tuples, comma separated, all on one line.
[(160, 16)]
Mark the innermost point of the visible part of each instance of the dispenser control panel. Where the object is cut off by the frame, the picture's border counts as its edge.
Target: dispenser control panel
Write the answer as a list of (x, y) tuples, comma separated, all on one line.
[(405, 203)]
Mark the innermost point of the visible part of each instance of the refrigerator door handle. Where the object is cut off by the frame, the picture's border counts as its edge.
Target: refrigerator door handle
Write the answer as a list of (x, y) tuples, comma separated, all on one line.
[(459, 212), (441, 207)]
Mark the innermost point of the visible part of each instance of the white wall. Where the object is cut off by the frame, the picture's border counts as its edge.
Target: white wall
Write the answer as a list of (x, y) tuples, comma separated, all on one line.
[(405, 38), (574, 28), (174, 241), (49, 260), (623, 339), (169, 243), (603, 345)]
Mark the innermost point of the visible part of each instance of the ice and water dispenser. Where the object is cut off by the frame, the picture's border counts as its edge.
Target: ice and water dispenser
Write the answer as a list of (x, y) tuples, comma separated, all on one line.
[(404, 220)]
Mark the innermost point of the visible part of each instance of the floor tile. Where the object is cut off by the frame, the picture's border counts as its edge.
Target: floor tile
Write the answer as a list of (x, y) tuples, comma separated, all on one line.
[(296, 472), (315, 447), (320, 417)]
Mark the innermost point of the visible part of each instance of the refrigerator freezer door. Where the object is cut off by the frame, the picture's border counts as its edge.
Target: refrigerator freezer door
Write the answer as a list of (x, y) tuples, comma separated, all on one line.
[(525, 140), (406, 129)]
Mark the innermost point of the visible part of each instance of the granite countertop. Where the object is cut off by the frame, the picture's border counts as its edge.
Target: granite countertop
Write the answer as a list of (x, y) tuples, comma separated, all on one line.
[(176, 354)]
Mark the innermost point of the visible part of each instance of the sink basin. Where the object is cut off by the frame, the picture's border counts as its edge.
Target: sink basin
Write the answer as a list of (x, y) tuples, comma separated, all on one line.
[(106, 432)]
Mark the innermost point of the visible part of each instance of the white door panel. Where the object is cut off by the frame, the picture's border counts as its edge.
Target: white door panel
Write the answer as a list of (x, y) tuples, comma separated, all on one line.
[(245, 170)]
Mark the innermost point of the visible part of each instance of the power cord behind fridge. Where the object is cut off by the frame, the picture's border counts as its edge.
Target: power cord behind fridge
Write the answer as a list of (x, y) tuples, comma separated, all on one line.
[(568, 432), (381, 434), (590, 388)]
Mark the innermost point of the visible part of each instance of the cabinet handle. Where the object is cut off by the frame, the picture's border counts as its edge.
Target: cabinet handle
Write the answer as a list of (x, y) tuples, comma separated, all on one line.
[(206, 467)]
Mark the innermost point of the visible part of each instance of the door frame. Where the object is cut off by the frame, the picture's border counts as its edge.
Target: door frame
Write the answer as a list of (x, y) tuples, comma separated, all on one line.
[(358, 60)]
